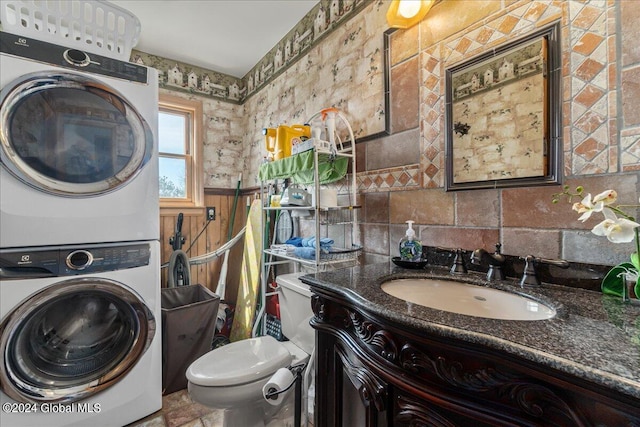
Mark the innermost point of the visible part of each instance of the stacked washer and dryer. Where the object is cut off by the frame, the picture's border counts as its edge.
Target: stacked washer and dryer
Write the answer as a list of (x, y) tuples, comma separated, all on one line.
[(79, 237)]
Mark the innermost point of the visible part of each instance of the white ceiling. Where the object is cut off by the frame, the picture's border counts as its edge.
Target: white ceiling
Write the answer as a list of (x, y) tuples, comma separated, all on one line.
[(227, 36)]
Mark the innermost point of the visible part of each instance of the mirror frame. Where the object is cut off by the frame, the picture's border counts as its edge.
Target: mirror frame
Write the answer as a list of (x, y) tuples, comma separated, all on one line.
[(552, 100)]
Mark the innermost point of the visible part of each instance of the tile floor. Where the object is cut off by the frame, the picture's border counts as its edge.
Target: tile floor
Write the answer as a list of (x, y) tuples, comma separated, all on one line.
[(178, 410)]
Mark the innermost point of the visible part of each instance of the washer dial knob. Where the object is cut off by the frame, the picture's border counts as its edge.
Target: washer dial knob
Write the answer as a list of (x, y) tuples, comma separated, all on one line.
[(76, 57), (79, 260)]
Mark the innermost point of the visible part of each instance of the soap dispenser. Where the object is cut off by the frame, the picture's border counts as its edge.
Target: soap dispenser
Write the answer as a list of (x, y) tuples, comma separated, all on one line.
[(410, 246)]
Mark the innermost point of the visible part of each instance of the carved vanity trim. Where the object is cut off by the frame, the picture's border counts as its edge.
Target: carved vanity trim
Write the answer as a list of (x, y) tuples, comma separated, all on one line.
[(435, 381)]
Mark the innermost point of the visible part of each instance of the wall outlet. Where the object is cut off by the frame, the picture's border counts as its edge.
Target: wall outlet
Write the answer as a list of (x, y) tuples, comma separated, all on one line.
[(211, 214)]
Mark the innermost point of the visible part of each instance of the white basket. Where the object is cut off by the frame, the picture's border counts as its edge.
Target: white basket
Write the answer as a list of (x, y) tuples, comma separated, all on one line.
[(93, 26)]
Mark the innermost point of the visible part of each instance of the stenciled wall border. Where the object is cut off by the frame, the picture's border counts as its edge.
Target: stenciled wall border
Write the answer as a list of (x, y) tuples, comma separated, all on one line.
[(323, 19)]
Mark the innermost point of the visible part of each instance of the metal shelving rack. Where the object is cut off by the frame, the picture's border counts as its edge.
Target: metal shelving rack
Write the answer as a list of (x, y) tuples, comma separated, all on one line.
[(323, 217)]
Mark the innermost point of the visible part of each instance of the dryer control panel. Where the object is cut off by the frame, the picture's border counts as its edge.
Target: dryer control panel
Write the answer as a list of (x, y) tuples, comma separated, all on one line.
[(31, 263)]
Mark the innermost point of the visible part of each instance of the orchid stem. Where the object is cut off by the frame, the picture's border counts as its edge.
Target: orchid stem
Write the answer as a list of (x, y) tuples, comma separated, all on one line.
[(637, 230)]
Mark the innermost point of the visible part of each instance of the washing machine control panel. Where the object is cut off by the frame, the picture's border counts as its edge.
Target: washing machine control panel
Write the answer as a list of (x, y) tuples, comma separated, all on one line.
[(74, 59), (55, 262)]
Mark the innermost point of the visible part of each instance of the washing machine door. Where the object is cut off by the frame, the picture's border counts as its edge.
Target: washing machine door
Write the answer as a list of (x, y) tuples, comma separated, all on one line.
[(73, 339), (71, 135)]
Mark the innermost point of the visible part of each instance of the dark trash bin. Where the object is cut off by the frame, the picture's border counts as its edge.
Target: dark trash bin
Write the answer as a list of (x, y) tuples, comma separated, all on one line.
[(188, 325)]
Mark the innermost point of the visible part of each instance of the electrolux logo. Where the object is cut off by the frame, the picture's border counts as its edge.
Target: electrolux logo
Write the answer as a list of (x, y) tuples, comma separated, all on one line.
[(22, 42)]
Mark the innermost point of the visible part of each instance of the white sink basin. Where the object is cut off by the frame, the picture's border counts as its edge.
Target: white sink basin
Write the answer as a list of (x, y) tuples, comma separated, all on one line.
[(463, 298)]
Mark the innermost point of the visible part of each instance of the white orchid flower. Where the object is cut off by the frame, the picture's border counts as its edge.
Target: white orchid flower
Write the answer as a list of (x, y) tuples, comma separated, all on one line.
[(607, 197), (586, 207), (617, 230)]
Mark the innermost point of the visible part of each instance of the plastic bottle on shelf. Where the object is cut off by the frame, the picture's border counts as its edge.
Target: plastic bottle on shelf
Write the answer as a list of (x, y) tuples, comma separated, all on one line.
[(410, 246)]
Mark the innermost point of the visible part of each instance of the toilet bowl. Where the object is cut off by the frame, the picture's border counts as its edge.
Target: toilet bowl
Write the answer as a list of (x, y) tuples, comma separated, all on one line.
[(231, 377)]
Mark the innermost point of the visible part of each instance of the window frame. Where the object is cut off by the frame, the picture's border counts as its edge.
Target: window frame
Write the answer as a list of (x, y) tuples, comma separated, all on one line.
[(194, 165)]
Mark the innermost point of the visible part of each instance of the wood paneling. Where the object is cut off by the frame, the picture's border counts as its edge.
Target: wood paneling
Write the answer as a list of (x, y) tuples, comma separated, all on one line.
[(212, 235)]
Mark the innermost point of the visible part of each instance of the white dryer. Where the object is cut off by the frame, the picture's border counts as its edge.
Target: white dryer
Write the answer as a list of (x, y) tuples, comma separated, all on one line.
[(77, 146), (80, 335)]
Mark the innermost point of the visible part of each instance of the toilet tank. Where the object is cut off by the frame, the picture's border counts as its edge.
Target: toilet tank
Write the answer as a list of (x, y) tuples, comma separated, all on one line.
[(295, 310)]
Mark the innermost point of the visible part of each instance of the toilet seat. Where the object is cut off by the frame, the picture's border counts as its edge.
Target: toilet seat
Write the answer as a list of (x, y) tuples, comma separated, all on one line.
[(240, 362)]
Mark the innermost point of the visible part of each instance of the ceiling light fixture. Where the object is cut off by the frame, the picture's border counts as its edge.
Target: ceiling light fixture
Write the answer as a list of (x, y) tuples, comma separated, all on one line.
[(407, 13)]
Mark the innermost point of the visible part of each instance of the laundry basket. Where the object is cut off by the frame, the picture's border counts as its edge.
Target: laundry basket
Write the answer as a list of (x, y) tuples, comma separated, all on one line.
[(94, 26), (189, 316)]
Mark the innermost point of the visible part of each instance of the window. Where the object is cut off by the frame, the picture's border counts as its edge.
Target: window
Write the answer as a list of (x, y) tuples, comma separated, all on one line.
[(180, 157)]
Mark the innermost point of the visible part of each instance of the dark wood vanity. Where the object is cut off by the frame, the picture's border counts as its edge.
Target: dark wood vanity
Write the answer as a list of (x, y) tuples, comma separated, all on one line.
[(386, 365)]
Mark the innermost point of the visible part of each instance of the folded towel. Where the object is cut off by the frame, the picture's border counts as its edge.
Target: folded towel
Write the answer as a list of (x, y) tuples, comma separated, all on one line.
[(283, 249), (306, 252), (295, 241), (325, 244), (310, 243)]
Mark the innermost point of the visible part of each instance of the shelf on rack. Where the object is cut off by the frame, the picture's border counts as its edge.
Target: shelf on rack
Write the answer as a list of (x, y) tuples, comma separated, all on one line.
[(307, 208), (299, 168), (336, 255)]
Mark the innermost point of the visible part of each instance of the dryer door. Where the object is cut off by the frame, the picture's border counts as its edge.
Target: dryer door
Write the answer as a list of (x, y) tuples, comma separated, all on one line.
[(71, 135), (73, 339)]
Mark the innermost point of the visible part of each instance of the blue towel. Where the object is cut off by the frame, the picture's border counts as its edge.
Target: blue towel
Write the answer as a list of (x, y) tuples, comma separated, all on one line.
[(325, 243), (310, 243), (295, 241), (305, 252)]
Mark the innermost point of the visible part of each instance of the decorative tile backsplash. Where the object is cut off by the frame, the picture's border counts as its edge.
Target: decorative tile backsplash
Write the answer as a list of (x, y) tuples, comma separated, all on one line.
[(599, 141), (601, 121), (344, 58), (400, 178), (592, 90)]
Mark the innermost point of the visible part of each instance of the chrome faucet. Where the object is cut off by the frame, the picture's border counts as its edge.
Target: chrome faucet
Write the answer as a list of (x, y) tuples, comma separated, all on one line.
[(530, 276), (495, 261)]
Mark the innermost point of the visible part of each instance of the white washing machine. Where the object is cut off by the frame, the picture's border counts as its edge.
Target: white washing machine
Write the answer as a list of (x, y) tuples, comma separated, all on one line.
[(77, 146), (80, 335)]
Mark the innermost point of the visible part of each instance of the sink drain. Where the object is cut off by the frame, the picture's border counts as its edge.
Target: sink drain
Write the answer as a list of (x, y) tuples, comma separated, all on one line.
[(480, 298)]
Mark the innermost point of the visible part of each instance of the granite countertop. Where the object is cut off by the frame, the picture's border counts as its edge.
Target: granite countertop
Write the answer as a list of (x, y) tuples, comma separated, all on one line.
[(593, 336)]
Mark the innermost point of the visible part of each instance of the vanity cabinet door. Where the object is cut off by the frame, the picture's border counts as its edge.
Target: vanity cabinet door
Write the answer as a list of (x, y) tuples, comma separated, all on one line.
[(348, 393)]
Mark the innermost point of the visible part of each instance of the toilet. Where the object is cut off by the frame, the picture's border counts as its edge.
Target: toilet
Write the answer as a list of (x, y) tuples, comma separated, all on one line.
[(231, 377)]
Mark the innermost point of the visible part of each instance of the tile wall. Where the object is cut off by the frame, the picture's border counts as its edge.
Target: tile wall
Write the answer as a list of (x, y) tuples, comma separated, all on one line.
[(601, 142), (401, 176)]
